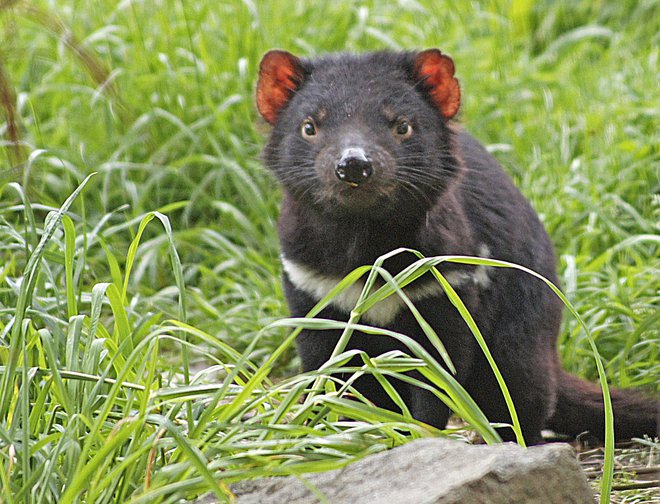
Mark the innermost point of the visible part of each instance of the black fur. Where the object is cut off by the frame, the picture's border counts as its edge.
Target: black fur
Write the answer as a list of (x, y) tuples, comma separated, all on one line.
[(440, 192)]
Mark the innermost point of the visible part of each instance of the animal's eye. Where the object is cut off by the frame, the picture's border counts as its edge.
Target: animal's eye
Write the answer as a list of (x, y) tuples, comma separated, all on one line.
[(308, 128), (403, 128)]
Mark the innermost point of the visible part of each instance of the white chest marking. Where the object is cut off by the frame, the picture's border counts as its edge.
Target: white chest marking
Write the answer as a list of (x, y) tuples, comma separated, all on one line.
[(383, 313)]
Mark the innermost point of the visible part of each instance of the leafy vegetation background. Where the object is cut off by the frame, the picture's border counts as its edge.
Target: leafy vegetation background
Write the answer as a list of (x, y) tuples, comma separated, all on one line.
[(135, 364)]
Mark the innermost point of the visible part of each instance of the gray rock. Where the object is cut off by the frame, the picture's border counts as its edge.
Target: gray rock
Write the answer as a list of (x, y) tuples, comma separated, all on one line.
[(436, 471)]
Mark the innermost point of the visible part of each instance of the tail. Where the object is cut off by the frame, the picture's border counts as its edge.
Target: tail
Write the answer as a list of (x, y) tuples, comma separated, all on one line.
[(580, 408)]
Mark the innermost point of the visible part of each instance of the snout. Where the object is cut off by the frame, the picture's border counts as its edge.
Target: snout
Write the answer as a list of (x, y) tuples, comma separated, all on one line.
[(354, 166)]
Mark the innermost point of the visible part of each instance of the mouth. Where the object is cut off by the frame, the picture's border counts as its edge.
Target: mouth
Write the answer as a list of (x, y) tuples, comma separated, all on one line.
[(354, 197)]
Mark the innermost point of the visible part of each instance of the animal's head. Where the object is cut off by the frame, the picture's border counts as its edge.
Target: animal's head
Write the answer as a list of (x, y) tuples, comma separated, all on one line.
[(361, 134)]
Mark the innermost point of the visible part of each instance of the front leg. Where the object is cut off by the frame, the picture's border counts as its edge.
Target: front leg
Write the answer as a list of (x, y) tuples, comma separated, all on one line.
[(316, 347), (457, 339), (428, 408)]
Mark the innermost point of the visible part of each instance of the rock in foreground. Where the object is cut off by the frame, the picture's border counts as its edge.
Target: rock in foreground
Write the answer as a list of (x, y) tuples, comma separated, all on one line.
[(437, 471)]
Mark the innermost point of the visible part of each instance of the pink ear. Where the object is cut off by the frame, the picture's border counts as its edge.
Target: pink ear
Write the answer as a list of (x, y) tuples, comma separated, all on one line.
[(437, 72), (280, 74)]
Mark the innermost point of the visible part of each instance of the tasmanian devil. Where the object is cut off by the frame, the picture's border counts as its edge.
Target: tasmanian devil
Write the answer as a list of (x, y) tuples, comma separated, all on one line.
[(370, 161)]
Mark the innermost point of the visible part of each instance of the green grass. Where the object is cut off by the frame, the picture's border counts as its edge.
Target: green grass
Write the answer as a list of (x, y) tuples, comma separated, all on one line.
[(143, 348)]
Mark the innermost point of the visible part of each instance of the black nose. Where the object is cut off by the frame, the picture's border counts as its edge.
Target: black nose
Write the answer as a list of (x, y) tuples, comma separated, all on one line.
[(354, 167)]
